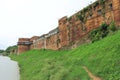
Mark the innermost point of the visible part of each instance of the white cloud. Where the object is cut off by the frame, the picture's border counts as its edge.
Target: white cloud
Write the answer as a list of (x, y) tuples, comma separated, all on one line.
[(25, 18)]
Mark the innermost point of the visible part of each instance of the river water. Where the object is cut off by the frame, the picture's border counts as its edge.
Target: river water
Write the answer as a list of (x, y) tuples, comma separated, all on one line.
[(9, 69)]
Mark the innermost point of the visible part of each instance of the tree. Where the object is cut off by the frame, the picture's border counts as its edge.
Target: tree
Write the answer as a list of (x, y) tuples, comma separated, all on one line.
[(11, 49), (1, 51)]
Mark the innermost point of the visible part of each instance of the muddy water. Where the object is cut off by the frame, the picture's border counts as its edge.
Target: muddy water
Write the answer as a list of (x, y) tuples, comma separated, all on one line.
[(9, 69)]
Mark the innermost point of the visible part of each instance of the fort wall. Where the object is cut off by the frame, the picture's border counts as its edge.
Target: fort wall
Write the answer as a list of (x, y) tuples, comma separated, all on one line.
[(75, 28), (23, 45)]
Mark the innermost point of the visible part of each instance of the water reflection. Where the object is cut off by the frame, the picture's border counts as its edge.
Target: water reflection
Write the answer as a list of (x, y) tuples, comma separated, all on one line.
[(8, 69)]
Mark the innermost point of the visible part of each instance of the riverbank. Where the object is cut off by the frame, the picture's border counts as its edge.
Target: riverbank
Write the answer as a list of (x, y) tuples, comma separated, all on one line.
[(102, 58), (8, 69)]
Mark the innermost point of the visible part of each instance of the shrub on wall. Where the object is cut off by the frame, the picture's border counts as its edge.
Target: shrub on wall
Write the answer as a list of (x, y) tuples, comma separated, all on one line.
[(102, 2), (99, 33), (80, 17), (69, 19), (112, 26), (83, 19), (94, 35), (102, 31), (95, 4)]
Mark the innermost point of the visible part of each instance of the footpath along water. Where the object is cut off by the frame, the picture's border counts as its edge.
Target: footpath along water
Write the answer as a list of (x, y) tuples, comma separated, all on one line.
[(9, 69)]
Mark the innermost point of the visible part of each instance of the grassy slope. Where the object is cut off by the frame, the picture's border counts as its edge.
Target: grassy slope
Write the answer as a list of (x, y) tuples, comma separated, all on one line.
[(102, 58)]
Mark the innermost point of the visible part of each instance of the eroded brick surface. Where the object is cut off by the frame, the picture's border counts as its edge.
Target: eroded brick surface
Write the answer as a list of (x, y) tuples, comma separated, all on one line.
[(74, 29)]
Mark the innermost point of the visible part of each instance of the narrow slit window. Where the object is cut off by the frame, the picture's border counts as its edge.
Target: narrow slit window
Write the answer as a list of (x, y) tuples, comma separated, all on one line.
[(99, 12), (110, 5)]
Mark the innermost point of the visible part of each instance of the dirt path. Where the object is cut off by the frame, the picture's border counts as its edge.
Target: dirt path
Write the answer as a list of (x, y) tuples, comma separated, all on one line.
[(93, 77)]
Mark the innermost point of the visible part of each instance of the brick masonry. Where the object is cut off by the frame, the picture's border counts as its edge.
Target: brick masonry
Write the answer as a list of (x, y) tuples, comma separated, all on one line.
[(74, 29)]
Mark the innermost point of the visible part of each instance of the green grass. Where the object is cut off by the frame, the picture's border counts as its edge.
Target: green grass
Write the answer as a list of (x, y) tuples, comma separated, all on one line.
[(102, 58)]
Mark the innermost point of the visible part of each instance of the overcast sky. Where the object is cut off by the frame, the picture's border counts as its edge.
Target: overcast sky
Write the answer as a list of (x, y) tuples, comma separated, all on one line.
[(26, 18)]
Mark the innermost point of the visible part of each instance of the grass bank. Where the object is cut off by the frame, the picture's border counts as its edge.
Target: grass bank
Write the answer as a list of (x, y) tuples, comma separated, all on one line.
[(102, 58)]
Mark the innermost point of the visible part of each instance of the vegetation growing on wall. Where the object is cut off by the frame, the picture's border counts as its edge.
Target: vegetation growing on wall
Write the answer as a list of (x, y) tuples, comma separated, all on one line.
[(95, 4), (102, 2), (112, 26), (69, 19), (83, 19), (102, 31), (82, 15)]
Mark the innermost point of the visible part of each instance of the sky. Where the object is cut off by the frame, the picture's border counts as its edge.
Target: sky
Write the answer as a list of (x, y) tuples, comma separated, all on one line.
[(27, 18)]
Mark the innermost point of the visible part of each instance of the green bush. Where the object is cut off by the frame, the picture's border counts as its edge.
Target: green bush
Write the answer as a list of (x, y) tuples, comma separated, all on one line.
[(69, 19), (102, 31), (102, 2), (96, 4), (1, 51), (112, 26), (99, 33), (80, 17)]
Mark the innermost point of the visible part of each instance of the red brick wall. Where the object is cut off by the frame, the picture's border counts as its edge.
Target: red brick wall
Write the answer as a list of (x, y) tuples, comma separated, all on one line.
[(63, 32), (25, 44), (22, 47), (72, 30), (51, 42), (39, 44), (23, 39), (116, 13), (31, 40)]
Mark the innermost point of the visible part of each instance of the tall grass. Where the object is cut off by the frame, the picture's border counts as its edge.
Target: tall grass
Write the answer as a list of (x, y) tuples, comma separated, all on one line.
[(102, 58)]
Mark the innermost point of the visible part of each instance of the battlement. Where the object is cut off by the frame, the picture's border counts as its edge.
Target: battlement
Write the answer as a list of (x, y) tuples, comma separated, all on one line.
[(63, 20)]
